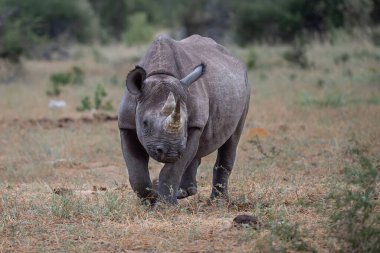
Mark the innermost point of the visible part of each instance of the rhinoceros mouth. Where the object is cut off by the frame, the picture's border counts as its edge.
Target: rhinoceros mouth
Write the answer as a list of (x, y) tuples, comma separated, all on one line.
[(160, 155), (164, 159)]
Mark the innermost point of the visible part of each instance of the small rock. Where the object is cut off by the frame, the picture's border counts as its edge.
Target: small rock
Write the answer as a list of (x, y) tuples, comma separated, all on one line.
[(247, 220), (57, 104)]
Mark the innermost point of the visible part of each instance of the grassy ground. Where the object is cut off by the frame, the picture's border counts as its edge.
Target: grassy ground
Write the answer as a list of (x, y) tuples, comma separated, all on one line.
[(63, 188)]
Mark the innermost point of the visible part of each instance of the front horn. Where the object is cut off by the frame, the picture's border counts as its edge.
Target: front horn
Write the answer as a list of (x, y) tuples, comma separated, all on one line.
[(173, 121), (194, 75), (169, 104)]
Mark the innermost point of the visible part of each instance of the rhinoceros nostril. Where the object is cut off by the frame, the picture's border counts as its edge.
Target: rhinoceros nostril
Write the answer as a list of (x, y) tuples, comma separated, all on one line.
[(159, 150)]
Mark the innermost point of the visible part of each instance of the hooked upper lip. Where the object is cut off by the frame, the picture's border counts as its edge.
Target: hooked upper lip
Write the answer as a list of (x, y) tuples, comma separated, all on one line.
[(164, 157)]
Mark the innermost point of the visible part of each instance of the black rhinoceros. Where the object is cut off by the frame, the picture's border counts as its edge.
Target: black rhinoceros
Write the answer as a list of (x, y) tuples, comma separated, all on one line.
[(184, 100)]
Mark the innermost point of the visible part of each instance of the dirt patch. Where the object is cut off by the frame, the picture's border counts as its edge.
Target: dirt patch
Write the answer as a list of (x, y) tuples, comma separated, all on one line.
[(64, 122)]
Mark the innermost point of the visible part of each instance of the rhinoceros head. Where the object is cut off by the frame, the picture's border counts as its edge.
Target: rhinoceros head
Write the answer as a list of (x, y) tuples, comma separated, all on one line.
[(161, 113)]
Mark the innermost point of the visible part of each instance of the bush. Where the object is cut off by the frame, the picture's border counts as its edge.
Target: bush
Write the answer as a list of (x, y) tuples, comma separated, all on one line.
[(100, 94), (355, 221), (376, 37), (85, 104), (251, 59), (297, 56), (139, 31), (77, 75), (111, 15), (16, 38), (58, 80), (24, 23), (285, 20)]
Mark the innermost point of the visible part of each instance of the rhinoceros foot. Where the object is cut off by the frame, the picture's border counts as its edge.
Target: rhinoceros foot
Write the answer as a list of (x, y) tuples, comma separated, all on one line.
[(184, 193)]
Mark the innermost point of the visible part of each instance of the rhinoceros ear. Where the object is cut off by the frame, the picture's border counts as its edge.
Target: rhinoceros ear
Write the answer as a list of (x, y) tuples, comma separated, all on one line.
[(135, 80), (193, 76)]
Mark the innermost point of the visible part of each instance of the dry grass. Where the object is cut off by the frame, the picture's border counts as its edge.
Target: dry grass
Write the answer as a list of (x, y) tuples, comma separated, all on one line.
[(305, 120)]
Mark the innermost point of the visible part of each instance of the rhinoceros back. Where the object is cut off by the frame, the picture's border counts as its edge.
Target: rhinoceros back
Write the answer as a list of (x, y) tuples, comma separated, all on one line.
[(225, 85)]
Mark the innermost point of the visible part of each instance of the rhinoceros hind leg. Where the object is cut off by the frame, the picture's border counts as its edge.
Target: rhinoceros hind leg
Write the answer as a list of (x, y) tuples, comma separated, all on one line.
[(225, 162), (188, 186)]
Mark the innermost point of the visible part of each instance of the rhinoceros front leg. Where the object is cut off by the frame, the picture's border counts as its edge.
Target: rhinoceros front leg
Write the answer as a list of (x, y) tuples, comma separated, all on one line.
[(171, 174), (137, 160), (188, 186)]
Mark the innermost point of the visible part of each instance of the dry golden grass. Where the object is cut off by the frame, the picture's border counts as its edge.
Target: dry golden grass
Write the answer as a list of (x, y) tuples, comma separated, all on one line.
[(294, 150)]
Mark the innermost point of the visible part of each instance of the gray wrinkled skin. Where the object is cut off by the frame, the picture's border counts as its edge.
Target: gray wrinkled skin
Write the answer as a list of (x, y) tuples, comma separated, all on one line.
[(177, 123)]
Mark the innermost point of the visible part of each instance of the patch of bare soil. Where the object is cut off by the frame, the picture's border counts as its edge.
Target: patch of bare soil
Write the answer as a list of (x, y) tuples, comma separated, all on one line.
[(64, 122)]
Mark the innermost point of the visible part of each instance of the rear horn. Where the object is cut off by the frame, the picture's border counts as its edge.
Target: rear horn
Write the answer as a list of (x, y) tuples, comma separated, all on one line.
[(193, 76)]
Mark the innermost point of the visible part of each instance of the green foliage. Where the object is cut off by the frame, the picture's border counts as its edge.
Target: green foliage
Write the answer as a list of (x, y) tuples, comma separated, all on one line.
[(251, 59), (100, 94), (54, 16), (85, 104), (342, 58), (114, 205), (26, 23), (58, 80), (289, 233), (77, 75), (139, 30), (285, 20), (284, 236), (375, 12), (376, 37), (17, 37), (66, 206), (355, 220), (297, 56), (111, 15), (330, 100), (114, 80)]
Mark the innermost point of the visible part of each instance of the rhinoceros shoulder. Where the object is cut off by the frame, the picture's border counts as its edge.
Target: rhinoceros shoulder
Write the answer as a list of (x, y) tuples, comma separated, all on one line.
[(127, 111)]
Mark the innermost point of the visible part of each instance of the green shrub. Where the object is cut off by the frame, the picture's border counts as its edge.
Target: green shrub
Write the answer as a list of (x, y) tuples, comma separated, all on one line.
[(286, 20), (111, 15), (85, 104), (297, 56), (100, 93), (376, 37), (25, 23), (114, 80), (99, 104), (290, 234), (17, 37), (329, 100), (355, 220), (342, 58), (77, 75), (251, 59), (58, 80), (67, 206), (139, 30)]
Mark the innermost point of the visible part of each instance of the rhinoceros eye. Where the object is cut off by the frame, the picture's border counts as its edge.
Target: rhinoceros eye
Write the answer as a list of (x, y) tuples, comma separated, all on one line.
[(145, 127)]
